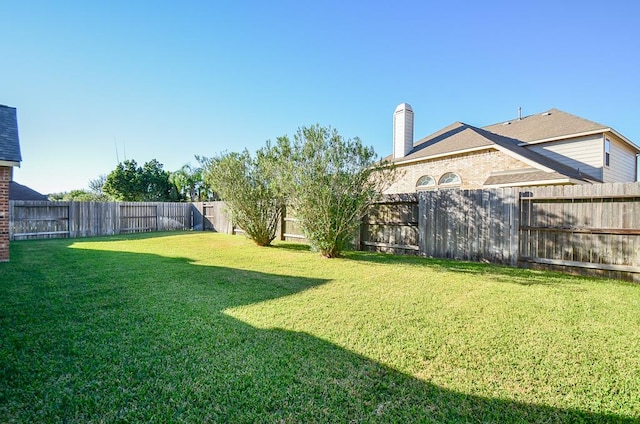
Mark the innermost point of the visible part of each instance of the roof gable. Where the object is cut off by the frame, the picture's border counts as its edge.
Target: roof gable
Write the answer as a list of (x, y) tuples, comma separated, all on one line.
[(9, 141)]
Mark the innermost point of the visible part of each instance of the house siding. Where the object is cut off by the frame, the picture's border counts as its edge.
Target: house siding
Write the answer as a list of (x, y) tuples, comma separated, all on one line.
[(5, 178), (473, 168), (582, 153), (622, 162)]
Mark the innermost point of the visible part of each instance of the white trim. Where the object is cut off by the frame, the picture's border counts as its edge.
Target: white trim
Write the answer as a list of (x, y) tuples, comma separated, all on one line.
[(441, 155), (625, 139), (565, 137), (583, 134), (9, 163), (537, 183)]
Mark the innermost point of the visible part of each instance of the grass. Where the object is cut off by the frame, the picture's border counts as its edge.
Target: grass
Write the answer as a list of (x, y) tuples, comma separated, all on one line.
[(203, 327)]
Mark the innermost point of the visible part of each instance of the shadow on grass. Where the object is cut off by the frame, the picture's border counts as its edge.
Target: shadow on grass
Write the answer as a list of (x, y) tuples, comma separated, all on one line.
[(92, 335), (293, 246), (501, 273)]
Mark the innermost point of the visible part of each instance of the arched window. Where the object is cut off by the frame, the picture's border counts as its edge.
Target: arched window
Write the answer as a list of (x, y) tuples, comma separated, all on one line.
[(426, 182), (450, 179)]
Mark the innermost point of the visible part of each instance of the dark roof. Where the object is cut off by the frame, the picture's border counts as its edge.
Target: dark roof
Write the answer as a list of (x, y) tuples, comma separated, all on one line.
[(9, 141), (22, 192)]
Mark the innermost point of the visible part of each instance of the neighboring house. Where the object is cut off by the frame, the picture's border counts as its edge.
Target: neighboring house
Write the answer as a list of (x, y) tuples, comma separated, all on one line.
[(9, 157), (548, 148), (22, 192)]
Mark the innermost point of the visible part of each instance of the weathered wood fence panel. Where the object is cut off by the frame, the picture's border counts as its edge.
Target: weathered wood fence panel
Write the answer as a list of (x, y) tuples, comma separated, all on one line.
[(582, 227), (90, 219), (211, 216), (592, 229), (475, 225), (392, 226), (38, 219), (44, 219)]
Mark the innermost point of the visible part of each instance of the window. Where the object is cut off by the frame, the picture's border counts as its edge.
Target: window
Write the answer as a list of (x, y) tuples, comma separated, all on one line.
[(450, 179), (425, 182), (607, 152)]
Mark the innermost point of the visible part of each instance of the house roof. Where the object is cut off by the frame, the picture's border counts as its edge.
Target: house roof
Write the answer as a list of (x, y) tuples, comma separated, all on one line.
[(9, 141), (548, 125), (511, 137), (22, 192)]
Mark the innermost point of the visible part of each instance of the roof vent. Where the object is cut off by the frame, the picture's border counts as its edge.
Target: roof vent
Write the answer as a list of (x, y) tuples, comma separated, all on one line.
[(507, 123), (546, 114)]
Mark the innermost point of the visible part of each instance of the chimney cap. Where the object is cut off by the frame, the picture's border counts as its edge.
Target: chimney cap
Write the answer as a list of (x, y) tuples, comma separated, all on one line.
[(403, 106)]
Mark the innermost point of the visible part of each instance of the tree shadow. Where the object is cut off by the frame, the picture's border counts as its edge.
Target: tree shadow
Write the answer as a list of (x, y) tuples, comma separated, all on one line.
[(115, 336), (500, 273), (293, 246)]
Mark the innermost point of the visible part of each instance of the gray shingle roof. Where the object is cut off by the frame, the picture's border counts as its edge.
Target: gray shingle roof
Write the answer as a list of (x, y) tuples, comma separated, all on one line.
[(553, 123), (22, 192), (9, 141), (523, 177)]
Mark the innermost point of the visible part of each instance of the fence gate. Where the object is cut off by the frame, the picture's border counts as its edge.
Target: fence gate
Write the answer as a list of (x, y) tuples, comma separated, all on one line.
[(138, 217), (563, 228)]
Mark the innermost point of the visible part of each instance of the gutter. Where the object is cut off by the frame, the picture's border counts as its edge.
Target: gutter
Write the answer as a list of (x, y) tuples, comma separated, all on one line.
[(538, 183), (583, 134)]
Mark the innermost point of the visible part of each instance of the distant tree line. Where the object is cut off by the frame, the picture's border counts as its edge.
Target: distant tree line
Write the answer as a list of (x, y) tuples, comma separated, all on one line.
[(150, 182)]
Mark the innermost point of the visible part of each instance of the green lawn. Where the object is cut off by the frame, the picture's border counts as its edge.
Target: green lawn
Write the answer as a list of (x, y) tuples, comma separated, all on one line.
[(203, 327)]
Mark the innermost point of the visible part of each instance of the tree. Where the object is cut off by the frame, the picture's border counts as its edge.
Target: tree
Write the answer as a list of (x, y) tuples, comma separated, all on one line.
[(96, 185), (249, 186), (129, 182), (190, 183), (333, 183), (155, 183)]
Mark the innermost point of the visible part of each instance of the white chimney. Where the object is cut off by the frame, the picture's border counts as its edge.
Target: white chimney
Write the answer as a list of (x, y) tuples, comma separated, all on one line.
[(402, 130)]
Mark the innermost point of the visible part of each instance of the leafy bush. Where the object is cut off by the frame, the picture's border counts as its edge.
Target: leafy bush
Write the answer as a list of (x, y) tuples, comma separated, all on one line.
[(249, 186)]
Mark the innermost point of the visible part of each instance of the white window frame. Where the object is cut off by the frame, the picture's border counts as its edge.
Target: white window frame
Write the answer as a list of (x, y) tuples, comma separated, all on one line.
[(449, 185), (425, 187)]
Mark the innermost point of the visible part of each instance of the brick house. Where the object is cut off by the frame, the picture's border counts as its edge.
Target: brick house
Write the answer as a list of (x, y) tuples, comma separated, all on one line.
[(549, 148), (9, 157)]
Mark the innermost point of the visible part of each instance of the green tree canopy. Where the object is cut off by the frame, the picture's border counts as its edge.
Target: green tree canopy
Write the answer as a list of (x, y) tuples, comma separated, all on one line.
[(190, 183), (130, 182)]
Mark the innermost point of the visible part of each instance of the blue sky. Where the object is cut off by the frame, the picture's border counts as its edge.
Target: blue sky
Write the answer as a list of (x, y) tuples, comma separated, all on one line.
[(170, 80)]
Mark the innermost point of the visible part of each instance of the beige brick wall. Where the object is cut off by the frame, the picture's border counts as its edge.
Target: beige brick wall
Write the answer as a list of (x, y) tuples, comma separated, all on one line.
[(5, 177), (473, 168)]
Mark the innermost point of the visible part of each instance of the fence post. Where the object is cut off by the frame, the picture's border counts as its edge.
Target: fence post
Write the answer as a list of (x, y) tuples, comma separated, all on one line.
[(283, 216), (71, 219), (515, 226), (422, 224)]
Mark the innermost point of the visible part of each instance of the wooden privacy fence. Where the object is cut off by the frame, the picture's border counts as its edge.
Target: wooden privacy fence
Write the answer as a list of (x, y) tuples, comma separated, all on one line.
[(44, 219), (587, 227), (592, 229)]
